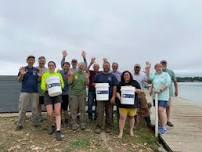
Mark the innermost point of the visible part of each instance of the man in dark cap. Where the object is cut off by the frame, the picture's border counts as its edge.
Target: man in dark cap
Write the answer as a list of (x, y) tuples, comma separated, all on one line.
[(171, 92)]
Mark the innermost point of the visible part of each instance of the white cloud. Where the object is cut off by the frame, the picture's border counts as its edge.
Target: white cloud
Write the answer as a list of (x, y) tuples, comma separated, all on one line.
[(129, 31)]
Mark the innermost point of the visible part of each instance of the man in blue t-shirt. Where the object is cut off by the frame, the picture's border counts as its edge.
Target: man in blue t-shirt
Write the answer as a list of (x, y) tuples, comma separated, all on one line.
[(106, 77), (28, 76)]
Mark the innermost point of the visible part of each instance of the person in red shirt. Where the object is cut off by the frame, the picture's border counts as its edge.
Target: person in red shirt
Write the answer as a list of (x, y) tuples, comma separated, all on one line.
[(91, 88)]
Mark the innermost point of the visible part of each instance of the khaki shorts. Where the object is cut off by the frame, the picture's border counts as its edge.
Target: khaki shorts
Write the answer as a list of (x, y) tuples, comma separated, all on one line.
[(128, 112)]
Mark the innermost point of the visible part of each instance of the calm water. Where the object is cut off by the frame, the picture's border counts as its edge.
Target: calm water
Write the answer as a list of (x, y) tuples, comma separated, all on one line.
[(191, 91)]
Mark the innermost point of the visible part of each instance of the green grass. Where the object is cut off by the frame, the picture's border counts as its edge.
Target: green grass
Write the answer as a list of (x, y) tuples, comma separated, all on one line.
[(74, 141), (142, 135), (80, 144)]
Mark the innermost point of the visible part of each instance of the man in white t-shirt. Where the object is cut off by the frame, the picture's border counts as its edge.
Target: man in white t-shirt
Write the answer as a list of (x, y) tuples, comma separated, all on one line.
[(141, 78), (42, 69)]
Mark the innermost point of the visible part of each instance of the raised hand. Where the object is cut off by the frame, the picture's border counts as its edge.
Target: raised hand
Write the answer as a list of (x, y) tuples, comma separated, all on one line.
[(147, 67), (64, 53), (105, 60), (138, 90), (92, 60), (156, 91), (22, 71), (83, 54)]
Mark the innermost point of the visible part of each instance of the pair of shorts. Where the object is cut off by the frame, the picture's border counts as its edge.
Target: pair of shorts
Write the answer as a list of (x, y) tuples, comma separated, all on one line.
[(51, 100), (161, 103), (41, 100), (128, 112)]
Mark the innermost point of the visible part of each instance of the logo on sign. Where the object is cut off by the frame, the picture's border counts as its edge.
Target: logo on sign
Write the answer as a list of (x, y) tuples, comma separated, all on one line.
[(53, 85), (102, 92), (128, 95)]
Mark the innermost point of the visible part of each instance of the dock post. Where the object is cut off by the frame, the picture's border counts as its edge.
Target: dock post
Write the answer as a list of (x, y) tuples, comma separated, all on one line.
[(156, 115)]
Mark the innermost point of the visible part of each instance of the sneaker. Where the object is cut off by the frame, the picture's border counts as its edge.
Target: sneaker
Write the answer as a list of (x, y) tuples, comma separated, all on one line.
[(90, 117), (97, 130), (58, 136), (75, 127), (108, 130), (162, 130), (95, 117), (51, 130), (82, 126), (18, 128), (40, 119), (170, 124), (36, 125), (35, 122)]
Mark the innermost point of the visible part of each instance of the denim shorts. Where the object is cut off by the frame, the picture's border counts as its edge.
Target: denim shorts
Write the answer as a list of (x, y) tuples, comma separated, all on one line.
[(161, 103)]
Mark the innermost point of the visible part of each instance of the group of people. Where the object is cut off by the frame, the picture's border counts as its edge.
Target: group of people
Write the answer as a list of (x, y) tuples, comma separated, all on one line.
[(67, 104)]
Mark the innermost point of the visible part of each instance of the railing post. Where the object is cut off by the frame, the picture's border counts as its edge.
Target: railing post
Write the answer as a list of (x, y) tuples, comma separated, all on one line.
[(156, 115)]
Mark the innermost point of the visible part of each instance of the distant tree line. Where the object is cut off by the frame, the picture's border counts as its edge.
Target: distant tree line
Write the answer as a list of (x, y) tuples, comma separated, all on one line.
[(189, 79)]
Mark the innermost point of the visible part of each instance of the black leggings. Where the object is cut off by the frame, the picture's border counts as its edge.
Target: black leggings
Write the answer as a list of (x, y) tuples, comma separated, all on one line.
[(65, 102)]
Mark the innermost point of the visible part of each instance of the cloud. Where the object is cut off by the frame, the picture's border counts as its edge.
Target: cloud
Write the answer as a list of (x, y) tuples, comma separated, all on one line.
[(128, 32)]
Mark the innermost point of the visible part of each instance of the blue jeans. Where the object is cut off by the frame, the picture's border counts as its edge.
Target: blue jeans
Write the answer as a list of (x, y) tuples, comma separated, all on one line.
[(91, 102)]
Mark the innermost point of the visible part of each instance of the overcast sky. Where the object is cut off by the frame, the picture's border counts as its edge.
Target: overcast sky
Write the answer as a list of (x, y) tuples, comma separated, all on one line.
[(125, 31)]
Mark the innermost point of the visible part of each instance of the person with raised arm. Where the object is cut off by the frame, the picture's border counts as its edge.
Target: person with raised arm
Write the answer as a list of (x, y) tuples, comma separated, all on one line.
[(28, 76), (143, 111), (117, 74), (160, 86), (65, 93), (77, 82), (91, 89), (74, 62)]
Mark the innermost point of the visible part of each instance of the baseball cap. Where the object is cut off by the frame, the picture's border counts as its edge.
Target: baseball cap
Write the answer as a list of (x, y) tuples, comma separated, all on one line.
[(163, 62)]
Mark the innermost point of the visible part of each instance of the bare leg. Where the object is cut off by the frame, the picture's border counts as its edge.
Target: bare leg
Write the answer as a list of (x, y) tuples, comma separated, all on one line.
[(122, 121), (131, 124), (57, 111), (162, 117), (168, 110), (49, 109)]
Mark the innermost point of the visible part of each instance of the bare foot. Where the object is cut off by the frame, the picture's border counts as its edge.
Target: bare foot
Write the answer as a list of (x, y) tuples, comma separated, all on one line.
[(120, 136), (131, 133)]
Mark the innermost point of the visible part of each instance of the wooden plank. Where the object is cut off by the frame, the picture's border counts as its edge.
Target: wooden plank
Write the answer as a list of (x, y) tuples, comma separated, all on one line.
[(186, 135)]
